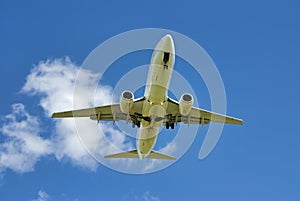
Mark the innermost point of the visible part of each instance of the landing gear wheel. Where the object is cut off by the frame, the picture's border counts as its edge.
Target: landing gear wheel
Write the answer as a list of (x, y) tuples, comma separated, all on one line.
[(172, 125), (167, 125)]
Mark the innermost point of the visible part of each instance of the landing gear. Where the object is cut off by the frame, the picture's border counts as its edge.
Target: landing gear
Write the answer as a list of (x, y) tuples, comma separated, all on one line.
[(166, 59), (168, 125), (137, 123), (172, 125)]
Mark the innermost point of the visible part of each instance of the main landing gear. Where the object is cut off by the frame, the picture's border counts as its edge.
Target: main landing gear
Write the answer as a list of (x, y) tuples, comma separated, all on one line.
[(136, 123), (168, 125)]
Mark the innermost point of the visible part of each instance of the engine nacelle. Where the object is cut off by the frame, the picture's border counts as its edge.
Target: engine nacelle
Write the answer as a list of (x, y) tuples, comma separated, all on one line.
[(126, 101), (185, 104)]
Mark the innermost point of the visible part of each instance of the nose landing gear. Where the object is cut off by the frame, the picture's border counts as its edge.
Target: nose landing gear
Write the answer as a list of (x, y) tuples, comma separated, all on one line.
[(166, 59)]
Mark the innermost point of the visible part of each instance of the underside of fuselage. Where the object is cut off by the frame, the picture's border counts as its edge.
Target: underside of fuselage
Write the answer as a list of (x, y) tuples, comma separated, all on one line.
[(156, 94)]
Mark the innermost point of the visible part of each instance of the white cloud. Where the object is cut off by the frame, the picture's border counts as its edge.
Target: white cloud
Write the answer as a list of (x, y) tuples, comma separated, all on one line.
[(54, 82), (23, 146), (147, 197), (42, 196)]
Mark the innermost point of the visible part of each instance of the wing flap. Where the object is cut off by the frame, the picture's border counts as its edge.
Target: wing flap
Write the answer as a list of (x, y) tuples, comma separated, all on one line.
[(103, 110), (106, 112), (214, 117)]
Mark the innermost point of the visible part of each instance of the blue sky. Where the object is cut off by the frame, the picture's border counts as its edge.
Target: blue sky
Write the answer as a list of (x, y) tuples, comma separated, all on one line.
[(255, 46)]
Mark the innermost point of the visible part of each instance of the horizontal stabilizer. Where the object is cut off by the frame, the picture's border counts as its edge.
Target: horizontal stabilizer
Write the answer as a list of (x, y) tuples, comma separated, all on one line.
[(128, 154), (157, 155), (134, 154)]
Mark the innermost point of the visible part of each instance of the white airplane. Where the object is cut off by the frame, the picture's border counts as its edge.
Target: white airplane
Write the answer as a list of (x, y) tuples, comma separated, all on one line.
[(153, 110)]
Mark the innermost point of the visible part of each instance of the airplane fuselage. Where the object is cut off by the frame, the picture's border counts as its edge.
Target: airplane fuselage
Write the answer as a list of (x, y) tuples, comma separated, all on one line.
[(156, 94)]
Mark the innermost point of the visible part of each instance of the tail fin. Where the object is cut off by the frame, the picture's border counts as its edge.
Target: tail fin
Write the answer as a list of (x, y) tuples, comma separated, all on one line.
[(134, 154)]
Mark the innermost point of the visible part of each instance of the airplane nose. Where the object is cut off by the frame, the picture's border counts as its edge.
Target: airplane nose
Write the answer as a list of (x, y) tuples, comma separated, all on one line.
[(168, 43), (168, 39)]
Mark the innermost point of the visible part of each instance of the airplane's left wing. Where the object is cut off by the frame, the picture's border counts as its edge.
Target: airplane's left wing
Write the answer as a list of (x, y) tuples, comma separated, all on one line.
[(198, 115), (105, 113)]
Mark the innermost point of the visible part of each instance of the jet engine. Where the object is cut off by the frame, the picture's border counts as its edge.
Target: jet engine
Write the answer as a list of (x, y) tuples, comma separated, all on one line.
[(185, 104), (126, 101)]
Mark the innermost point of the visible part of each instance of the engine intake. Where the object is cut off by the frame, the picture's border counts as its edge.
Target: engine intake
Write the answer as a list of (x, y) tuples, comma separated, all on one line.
[(126, 101), (185, 104)]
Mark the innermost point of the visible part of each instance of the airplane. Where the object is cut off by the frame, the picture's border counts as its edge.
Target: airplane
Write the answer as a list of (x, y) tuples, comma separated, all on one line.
[(154, 109)]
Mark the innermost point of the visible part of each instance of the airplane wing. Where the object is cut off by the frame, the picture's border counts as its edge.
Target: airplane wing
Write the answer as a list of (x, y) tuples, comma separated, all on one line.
[(114, 113), (105, 113), (197, 115)]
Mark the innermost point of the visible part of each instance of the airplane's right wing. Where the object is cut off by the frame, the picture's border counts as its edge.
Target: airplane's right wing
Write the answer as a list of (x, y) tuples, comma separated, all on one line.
[(105, 113), (198, 115)]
